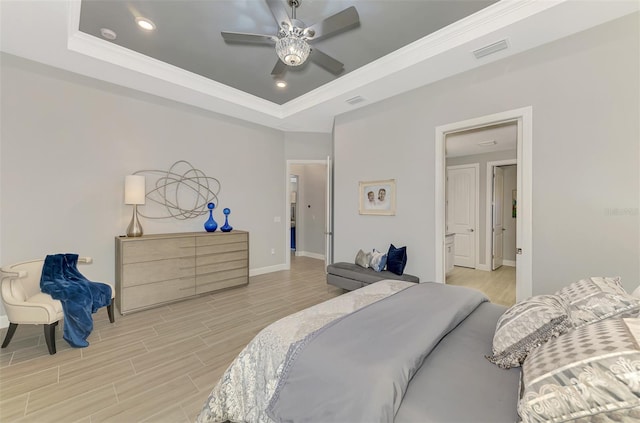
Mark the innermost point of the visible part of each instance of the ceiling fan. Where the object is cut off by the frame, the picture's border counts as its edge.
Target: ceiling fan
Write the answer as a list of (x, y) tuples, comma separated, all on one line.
[(293, 37)]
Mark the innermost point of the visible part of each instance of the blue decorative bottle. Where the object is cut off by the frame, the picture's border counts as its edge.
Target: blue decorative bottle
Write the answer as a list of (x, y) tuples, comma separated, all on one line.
[(210, 225), (226, 227)]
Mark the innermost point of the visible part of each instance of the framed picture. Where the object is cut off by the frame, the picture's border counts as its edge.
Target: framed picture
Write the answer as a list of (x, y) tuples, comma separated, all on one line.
[(378, 197)]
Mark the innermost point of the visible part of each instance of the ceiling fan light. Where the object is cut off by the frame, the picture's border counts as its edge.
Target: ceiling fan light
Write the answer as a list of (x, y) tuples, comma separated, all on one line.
[(292, 50)]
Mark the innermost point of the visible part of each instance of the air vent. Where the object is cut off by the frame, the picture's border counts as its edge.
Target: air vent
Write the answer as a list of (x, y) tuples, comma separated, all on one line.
[(355, 100), (491, 48)]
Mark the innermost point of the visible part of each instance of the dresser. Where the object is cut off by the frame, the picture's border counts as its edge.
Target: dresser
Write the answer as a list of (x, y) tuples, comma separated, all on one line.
[(157, 269)]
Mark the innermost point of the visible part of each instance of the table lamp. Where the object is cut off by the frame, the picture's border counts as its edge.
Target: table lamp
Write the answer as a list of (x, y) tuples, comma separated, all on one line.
[(134, 194)]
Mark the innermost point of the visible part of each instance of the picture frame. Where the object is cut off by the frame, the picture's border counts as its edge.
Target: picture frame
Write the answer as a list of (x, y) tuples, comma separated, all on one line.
[(378, 197)]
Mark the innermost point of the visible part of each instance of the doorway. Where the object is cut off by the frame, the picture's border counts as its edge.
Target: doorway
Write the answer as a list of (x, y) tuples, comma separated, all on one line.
[(522, 118), (501, 226), (308, 206), (462, 212)]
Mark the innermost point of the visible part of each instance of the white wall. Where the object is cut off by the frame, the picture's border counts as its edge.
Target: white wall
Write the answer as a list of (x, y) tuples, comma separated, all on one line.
[(307, 146), (67, 143), (584, 92)]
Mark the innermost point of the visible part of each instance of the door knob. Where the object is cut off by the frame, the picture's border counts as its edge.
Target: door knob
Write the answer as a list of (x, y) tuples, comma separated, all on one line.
[(470, 230)]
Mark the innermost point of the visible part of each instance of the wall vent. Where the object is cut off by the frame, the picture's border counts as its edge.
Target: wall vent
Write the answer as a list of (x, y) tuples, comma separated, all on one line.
[(355, 100), (491, 48)]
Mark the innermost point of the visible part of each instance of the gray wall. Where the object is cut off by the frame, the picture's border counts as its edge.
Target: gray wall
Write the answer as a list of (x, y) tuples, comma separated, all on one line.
[(311, 210), (307, 145), (584, 92), (482, 160), (67, 143)]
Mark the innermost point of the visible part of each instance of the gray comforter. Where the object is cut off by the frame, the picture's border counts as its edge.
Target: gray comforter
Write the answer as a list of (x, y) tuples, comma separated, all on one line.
[(381, 346)]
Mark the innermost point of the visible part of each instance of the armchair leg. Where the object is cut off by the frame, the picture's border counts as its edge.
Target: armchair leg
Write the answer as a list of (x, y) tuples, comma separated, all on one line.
[(50, 337), (9, 335), (110, 311)]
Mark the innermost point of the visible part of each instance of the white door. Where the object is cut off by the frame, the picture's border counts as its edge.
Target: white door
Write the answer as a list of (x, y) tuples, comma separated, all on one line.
[(498, 216), (328, 231), (461, 212)]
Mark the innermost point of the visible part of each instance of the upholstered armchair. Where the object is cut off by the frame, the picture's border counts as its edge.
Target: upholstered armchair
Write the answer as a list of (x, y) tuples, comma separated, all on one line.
[(26, 304)]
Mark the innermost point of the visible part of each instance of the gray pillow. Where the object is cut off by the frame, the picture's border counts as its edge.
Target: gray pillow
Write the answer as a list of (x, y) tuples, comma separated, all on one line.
[(590, 374), (527, 325), (363, 259), (598, 298)]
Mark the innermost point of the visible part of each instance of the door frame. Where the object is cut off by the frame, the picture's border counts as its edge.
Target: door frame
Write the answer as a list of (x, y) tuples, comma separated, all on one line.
[(489, 203), (476, 238), (524, 118), (287, 221)]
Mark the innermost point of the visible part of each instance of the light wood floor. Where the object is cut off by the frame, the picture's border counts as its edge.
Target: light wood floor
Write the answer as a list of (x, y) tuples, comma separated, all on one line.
[(499, 286), (157, 365)]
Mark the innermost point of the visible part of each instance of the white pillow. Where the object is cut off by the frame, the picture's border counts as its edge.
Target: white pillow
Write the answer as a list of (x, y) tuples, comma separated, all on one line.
[(378, 260), (363, 259)]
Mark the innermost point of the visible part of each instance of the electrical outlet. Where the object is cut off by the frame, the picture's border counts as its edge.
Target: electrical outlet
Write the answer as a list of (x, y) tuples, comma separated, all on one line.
[(273, 251), (276, 219)]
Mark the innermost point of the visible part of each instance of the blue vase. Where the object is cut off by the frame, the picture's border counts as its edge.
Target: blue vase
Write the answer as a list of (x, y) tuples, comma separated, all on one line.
[(210, 225), (226, 227)]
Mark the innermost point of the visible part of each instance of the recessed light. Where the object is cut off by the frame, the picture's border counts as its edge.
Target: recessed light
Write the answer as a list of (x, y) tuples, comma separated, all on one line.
[(108, 34), (145, 23), (281, 84)]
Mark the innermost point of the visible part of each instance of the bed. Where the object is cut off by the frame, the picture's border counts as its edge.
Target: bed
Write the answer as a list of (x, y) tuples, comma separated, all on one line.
[(401, 352), (454, 372)]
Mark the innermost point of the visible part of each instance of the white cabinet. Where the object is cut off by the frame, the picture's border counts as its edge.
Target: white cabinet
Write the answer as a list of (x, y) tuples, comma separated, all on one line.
[(449, 252)]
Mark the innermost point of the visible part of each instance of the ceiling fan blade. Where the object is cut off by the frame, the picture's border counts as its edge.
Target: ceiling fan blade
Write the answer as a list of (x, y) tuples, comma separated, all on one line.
[(279, 69), (341, 21), (279, 13), (241, 37), (326, 61)]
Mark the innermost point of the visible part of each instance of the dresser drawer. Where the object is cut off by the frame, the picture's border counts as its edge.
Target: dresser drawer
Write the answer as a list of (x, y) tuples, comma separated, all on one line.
[(201, 288), (155, 271), (207, 259), (143, 296), (202, 250), (157, 249), (221, 238), (215, 277), (219, 267)]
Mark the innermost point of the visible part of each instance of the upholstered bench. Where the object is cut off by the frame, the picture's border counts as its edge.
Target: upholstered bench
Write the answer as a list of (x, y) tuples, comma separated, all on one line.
[(350, 276)]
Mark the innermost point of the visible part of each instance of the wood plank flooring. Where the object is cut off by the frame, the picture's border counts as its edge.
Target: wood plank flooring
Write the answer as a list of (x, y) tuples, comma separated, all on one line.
[(157, 365), (499, 286)]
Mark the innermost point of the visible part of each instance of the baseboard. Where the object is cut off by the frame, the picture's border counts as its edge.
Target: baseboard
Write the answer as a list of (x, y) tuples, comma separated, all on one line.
[(268, 269), (308, 254), (4, 322), (510, 263)]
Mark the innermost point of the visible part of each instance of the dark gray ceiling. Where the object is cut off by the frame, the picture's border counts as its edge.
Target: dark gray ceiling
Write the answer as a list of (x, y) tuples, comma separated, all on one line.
[(188, 36)]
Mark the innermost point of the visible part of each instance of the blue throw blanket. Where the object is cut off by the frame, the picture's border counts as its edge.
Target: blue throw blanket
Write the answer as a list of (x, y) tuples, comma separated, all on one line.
[(79, 296)]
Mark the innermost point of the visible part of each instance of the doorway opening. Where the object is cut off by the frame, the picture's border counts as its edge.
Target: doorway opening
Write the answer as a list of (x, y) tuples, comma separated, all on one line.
[(308, 207), (521, 120)]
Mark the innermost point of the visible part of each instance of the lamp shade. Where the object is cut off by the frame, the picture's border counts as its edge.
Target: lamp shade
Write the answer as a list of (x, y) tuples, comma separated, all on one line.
[(134, 189)]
